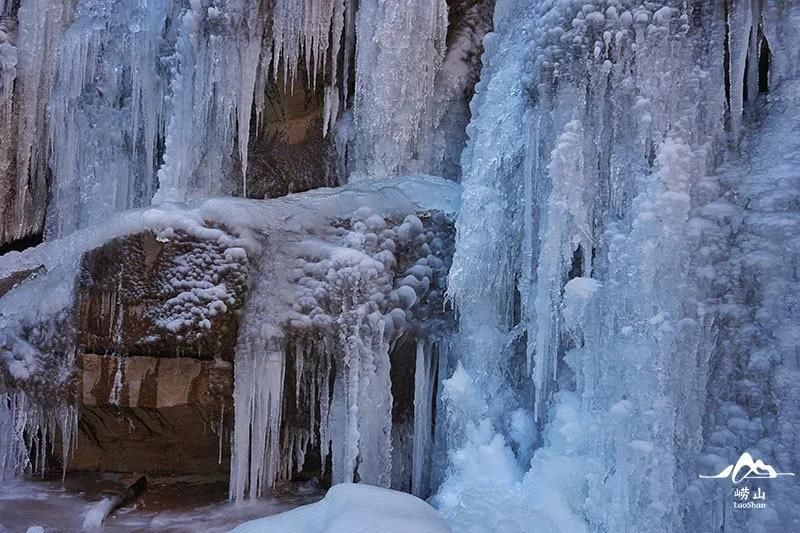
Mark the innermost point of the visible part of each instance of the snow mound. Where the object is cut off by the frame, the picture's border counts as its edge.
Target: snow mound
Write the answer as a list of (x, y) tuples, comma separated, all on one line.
[(354, 508)]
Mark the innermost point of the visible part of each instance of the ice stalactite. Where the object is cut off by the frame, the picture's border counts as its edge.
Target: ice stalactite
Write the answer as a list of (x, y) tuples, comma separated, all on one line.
[(363, 387), (178, 85), (392, 105), (316, 33), (107, 73), (214, 71), (425, 374), (37, 369), (740, 22), (24, 158), (28, 432), (258, 400), (395, 52)]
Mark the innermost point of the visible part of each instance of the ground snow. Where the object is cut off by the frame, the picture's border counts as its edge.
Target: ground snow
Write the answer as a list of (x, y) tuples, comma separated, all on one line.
[(354, 508)]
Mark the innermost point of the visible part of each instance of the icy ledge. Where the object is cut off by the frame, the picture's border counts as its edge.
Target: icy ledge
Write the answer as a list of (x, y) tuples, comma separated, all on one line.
[(354, 508), (294, 212)]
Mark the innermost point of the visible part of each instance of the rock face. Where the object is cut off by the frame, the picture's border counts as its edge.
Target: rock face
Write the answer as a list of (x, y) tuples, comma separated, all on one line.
[(162, 296), (157, 322), (153, 414), (12, 280), (288, 153)]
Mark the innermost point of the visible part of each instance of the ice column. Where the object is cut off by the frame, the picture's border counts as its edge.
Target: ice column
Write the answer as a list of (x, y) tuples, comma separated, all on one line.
[(105, 112), (214, 71), (425, 373), (258, 387), (399, 51)]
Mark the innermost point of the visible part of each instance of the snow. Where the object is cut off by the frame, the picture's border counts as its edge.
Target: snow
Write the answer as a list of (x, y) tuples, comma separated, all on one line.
[(95, 516), (169, 503), (354, 508)]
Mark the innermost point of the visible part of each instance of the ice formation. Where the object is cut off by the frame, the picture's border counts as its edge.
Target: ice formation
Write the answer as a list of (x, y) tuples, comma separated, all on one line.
[(182, 86), (591, 220), (345, 298), (389, 112), (337, 285)]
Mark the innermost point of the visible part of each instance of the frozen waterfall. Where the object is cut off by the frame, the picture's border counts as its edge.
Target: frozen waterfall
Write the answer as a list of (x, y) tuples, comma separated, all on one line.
[(587, 276), (610, 311)]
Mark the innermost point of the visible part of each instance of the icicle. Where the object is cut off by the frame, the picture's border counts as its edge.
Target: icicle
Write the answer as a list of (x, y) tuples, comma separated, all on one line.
[(424, 379), (116, 388), (331, 109), (106, 55), (250, 61), (299, 361), (258, 403), (324, 392), (373, 408), (260, 365), (221, 432), (314, 30), (740, 21), (41, 23), (388, 114), (214, 76), (754, 45), (26, 427), (565, 226)]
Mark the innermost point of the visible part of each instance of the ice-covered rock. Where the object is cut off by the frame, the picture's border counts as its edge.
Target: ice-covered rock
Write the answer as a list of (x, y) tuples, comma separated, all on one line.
[(317, 290)]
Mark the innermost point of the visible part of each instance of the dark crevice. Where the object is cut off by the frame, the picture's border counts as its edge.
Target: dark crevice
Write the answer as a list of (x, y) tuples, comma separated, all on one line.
[(764, 60), (576, 269), (727, 66), (22, 244)]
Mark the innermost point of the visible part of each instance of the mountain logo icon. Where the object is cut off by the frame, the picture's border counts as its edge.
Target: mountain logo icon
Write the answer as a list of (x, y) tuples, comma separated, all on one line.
[(747, 468)]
